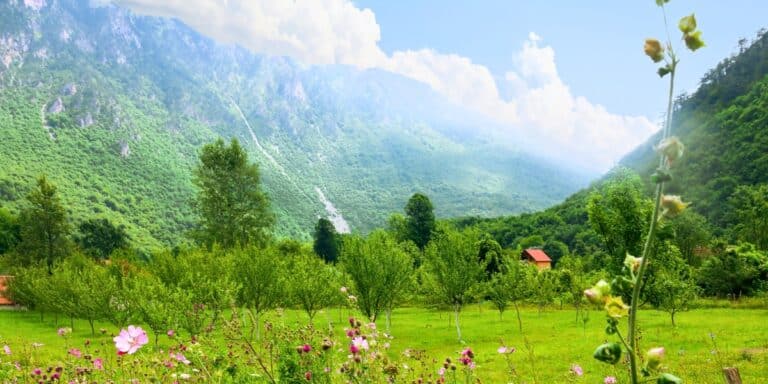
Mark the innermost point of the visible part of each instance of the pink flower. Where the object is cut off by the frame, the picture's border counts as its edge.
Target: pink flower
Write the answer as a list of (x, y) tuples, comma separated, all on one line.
[(343, 289), (609, 380), (576, 370), (306, 348), (64, 331), (7, 349), (37, 371), (308, 375), (504, 350), (180, 358), (98, 363), (441, 371), (358, 343), (75, 352), (129, 341), (171, 333)]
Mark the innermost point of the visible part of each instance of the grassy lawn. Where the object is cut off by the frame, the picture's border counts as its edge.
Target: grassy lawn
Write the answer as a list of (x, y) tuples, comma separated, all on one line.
[(550, 343)]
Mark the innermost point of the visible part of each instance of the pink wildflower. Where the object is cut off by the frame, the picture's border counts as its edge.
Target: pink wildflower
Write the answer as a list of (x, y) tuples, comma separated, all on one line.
[(609, 380), (308, 375), (75, 352), (7, 349), (504, 350), (98, 363), (576, 370), (441, 371), (171, 333), (129, 341), (180, 358), (64, 331), (37, 371), (358, 343)]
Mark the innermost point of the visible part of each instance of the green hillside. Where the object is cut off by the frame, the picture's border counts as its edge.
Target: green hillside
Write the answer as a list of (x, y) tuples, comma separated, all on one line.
[(113, 108)]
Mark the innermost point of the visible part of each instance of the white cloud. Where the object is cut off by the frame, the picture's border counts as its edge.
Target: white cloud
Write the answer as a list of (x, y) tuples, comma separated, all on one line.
[(540, 106)]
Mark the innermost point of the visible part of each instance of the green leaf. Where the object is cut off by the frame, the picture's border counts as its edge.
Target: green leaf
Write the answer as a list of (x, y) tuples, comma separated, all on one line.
[(667, 378), (687, 24), (661, 3), (608, 353), (663, 71)]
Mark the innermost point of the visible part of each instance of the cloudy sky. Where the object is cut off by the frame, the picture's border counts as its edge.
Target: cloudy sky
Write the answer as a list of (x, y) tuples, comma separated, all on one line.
[(570, 73)]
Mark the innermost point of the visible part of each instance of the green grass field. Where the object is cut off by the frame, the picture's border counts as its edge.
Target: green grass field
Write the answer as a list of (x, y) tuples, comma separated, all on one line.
[(554, 340)]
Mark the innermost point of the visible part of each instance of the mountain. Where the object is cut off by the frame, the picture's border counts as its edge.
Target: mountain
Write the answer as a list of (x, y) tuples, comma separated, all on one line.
[(724, 126), (113, 107)]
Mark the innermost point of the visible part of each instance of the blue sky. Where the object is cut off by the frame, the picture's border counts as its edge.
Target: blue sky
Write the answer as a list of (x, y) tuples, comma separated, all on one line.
[(567, 75), (598, 44)]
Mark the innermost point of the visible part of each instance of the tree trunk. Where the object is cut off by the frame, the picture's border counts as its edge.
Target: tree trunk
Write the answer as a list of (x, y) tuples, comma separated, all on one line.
[(93, 331), (389, 321), (519, 319), (456, 314), (732, 375), (672, 315)]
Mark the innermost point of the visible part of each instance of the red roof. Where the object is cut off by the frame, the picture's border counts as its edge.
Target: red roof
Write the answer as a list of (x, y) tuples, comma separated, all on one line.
[(537, 255)]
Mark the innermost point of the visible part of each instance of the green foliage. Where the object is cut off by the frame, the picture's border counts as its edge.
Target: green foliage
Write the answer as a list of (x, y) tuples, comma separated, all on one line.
[(750, 206), (44, 226), (692, 234), (262, 277), (490, 255), (100, 237), (326, 243), (10, 231), (380, 270), (733, 271), (233, 209), (312, 284), (420, 219)]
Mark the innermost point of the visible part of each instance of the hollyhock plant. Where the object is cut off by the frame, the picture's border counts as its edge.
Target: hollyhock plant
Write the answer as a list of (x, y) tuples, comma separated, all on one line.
[(130, 340)]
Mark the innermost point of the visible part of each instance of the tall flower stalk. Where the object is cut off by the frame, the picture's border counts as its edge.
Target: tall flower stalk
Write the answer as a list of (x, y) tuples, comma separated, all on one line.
[(669, 149)]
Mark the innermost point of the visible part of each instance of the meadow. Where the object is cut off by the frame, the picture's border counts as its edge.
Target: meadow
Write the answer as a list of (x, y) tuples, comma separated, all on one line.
[(704, 341)]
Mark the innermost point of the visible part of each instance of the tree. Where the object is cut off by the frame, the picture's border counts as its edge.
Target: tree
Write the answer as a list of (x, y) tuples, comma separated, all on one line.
[(733, 271), (10, 231), (489, 253), (380, 270), (313, 285), (691, 231), (326, 243), (262, 282), (420, 219), (750, 206), (555, 249), (233, 209), (44, 226), (100, 237), (454, 268)]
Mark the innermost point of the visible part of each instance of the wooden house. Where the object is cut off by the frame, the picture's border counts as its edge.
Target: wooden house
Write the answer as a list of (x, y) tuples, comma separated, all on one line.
[(538, 257), (4, 300)]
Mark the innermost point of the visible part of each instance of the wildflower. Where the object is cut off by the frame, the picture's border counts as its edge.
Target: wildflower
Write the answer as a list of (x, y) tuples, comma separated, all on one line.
[(171, 333), (185, 376), (306, 348), (468, 353), (693, 40), (98, 363), (372, 326), (671, 148), (358, 344), (632, 263), (576, 370), (352, 298), (180, 358), (654, 50), (616, 308), (687, 24), (7, 349), (130, 340), (672, 205), (653, 358), (37, 371), (504, 350), (37, 345), (308, 375), (599, 293), (609, 380), (441, 371), (64, 331), (344, 290), (75, 352)]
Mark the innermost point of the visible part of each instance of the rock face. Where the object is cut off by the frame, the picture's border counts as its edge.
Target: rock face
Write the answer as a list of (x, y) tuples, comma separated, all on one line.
[(86, 121), (56, 107), (69, 90), (125, 149)]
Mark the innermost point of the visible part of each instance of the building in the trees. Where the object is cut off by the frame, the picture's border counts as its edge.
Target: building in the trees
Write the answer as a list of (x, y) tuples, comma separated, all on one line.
[(4, 300), (538, 257)]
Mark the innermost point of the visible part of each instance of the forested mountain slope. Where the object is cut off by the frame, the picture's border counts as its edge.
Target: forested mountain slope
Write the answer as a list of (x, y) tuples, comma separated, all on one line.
[(114, 107)]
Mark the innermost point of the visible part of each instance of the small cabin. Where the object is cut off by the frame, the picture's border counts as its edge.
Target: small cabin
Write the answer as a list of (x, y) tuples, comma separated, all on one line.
[(4, 300), (538, 257)]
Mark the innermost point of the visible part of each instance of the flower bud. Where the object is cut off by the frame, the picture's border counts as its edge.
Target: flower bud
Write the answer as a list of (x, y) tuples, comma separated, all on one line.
[(616, 308), (598, 293), (672, 205), (687, 24), (653, 358), (671, 148), (654, 50), (608, 353), (693, 40), (633, 263), (667, 378)]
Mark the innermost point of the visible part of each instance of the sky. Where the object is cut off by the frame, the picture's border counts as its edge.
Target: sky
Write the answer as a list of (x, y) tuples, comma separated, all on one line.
[(571, 75)]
